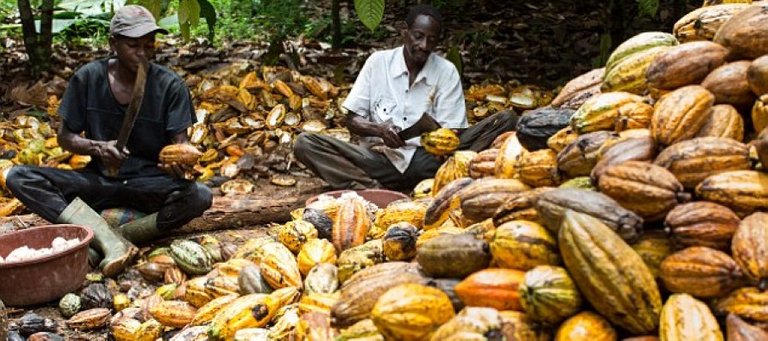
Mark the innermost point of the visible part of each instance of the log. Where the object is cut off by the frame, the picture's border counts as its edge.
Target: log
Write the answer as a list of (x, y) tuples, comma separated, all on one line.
[(226, 212), (240, 212)]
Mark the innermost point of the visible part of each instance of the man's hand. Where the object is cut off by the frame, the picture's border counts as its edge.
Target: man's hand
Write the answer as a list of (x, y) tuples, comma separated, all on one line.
[(177, 170), (109, 154), (388, 132)]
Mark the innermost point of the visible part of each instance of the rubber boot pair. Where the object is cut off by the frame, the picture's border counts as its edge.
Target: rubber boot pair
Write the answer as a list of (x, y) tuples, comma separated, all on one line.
[(141, 230), (118, 252), (137, 231)]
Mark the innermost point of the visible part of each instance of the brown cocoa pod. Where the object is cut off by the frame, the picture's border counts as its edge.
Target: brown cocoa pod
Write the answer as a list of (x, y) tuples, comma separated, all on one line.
[(553, 204), (90, 319), (520, 206), (483, 164), (174, 275), (739, 330), (694, 160), (480, 199), (45, 336), (641, 187), (631, 149), (96, 295), (702, 223), (685, 64), (745, 34), (749, 247), (578, 86), (729, 84), (679, 115), (761, 146), (723, 121), (757, 76), (180, 153), (701, 272), (580, 156)]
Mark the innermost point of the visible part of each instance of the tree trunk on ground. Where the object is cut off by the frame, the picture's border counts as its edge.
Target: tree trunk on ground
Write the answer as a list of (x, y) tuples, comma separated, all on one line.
[(226, 213), (240, 212), (38, 45)]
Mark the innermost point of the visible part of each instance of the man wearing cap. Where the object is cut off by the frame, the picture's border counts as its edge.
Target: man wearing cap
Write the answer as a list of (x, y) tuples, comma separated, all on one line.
[(92, 111)]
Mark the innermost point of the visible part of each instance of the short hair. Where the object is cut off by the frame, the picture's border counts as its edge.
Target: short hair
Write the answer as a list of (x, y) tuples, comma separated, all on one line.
[(424, 9)]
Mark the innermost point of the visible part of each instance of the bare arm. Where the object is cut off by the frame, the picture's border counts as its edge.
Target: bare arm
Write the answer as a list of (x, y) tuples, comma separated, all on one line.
[(360, 126), (181, 137), (104, 150), (387, 131)]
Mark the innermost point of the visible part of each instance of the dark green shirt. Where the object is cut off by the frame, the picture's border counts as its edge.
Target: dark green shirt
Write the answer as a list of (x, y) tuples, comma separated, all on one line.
[(89, 106)]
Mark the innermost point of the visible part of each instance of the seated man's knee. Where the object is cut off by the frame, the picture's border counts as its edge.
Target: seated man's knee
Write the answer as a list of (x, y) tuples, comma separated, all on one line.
[(303, 146), (202, 198), (301, 143), (503, 121), (509, 117), (18, 177)]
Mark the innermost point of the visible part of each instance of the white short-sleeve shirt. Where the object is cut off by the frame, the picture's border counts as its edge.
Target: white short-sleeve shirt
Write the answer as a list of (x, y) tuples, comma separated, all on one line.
[(381, 93)]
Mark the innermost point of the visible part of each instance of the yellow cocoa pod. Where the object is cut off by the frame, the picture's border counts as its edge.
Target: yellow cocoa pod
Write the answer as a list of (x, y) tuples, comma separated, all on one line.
[(440, 142)]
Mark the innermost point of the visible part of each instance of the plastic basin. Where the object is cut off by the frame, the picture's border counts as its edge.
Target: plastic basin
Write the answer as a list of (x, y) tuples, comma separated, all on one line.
[(380, 197), (48, 278)]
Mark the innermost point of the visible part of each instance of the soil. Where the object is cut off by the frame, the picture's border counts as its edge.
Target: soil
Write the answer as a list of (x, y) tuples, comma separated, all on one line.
[(305, 187)]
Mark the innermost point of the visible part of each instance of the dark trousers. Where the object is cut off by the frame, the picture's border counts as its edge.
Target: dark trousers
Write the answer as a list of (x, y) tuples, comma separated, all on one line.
[(47, 191), (348, 166)]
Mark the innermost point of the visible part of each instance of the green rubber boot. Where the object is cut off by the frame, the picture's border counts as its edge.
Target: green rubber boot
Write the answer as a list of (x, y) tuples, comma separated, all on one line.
[(117, 251), (141, 230), (94, 257)]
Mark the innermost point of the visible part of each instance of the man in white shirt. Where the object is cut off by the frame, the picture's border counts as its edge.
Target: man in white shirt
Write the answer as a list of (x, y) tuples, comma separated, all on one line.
[(394, 88)]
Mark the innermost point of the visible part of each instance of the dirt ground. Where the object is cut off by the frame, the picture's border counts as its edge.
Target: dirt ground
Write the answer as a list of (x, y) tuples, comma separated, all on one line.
[(305, 187)]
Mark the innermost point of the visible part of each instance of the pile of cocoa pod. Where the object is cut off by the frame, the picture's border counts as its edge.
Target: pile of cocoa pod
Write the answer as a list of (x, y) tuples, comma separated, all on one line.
[(247, 122)]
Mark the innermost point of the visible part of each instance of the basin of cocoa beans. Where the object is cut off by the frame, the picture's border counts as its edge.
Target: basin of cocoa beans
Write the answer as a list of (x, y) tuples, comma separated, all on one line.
[(47, 278)]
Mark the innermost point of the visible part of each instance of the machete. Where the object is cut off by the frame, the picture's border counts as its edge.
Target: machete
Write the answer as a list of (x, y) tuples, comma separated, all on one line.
[(424, 125), (132, 113)]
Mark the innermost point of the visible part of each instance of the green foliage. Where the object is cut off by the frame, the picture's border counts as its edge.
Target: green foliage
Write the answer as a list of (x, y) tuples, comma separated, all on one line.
[(478, 38), (454, 55), (280, 18), (181, 15), (648, 7), (189, 15), (230, 16), (87, 8), (351, 32), (7, 8), (154, 6), (87, 31), (370, 12), (443, 4), (208, 12), (86, 22), (255, 19), (74, 19), (605, 50)]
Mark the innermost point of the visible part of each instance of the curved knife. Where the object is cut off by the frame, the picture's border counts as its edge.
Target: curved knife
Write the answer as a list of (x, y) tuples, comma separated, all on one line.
[(132, 113)]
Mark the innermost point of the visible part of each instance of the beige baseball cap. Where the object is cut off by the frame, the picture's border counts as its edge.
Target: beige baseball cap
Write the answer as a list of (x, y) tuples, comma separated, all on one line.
[(134, 21)]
